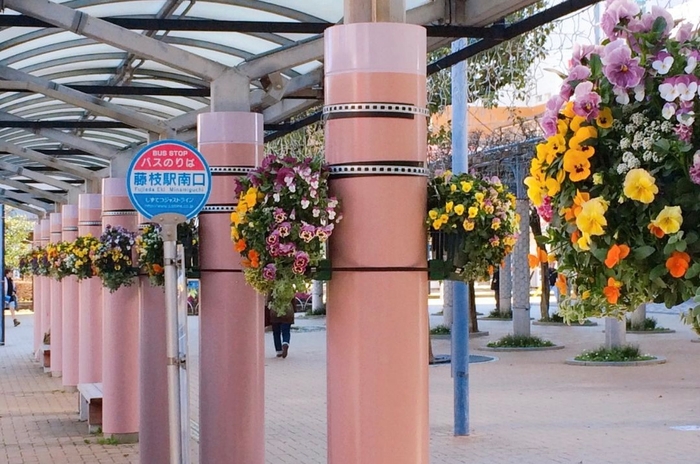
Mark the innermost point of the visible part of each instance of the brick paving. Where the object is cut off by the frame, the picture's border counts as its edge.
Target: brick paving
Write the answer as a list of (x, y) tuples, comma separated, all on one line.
[(526, 408)]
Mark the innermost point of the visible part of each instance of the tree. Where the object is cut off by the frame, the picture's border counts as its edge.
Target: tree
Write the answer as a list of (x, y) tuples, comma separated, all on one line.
[(18, 228)]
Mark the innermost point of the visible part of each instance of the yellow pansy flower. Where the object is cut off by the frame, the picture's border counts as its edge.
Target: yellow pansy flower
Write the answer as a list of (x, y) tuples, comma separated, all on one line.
[(468, 225), (466, 186), (583, 135), (669, 219), (459, 210), (576, 122), (568, 110), (576, 163), (591, 220), (639, 185), (479, 196), (562, 126), (444, 218), (448, 206), (605, 118), (453, 188), (251, 197), (433, 214), (473, 211), (557, 143)]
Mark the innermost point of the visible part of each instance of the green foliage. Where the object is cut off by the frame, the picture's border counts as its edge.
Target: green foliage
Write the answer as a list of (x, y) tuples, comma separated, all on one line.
[(627, 353), (440, 330), (520, 341), (496, 314), (495, 69), (18, 227), (650, 324)]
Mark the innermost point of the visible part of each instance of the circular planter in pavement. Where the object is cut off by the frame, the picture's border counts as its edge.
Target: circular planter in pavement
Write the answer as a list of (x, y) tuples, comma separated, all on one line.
[(501, 319), (564, 324), (527, 348), (482, 333), (473, 359), (696, 340), (649, 362), (651, 332)]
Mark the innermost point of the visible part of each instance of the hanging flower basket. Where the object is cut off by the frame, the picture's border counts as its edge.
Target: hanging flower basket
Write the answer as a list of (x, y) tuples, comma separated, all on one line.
[(113, 261), (149, 249), (472, 225), (281, 224), (618, 174)]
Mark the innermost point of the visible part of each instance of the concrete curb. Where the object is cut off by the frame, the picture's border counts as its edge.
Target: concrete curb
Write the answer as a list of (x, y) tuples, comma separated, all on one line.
[(651, 332), (529, 348), (481, 333), (696, 340), (658, 360), (563, 324)]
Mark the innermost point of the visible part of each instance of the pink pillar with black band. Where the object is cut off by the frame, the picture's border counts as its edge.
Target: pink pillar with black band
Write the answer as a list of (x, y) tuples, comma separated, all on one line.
[(45, 283), (37, 296), (56, 306), (90, 292), (71, 313), (153, 363), (120, 329), (231, 379), (375, 87)]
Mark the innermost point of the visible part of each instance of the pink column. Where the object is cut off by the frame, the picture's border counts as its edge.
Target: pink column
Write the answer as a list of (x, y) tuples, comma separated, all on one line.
[(70, 305), (45, 283), (90, 305), (378, 371), (231, 379), (36, 297), (56, 306), (120, 330), (153, 361)]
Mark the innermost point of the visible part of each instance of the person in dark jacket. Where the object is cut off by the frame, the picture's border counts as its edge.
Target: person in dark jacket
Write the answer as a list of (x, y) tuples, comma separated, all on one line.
[(281, 329), (10, 295)]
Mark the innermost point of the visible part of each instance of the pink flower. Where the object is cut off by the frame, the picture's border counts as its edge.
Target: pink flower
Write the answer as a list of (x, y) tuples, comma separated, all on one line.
[(695, 168), (549, 124), (619, 66), (663, 62), (586, 101), (657, 12), (619, 12), (683, 132), (545, 210), (684, 32), (582, 53), (269, 272)]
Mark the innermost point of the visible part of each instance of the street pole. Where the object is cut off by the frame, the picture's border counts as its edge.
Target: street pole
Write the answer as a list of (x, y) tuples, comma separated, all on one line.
[(169, 224), (2, 267)]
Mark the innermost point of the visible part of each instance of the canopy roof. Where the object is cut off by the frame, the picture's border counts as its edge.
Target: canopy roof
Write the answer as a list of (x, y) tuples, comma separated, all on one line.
[(77, 92)]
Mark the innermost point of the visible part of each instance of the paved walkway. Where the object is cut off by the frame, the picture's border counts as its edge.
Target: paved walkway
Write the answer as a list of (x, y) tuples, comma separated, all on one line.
[(526, 408)]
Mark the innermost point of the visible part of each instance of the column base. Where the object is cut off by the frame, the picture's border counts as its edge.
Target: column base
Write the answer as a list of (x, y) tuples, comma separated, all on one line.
[(70, 389), (57, 374), (125, 438)]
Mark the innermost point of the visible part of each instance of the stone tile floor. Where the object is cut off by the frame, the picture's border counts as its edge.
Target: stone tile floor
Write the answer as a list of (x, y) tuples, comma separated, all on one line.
[(526, 408)]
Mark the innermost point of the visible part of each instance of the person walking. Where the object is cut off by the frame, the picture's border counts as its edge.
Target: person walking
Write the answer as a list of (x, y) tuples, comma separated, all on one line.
[(281, 329), (10, 295)]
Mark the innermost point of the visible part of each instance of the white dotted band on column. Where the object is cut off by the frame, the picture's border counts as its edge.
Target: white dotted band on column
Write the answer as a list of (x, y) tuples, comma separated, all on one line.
[(372, 109), (120, 212), (229, 170), (218, 209), (90, 223), (377, 169), (70, 229)]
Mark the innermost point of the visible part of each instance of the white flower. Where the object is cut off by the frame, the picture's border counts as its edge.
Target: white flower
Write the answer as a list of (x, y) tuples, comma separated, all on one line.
[(668, 92), (687, 92), (622, 97), (687, 119), (692, 63), (638, 119), (639, 92), (276, 197), (666, 126), (668, 110), (292, 188), (305, 203), (647, 143), (624, 143), (316, 212), (663, 66)]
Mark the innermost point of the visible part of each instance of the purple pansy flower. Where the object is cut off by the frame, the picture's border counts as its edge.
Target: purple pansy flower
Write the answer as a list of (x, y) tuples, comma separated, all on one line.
[(269, 272), (586, 101), (619, 66)]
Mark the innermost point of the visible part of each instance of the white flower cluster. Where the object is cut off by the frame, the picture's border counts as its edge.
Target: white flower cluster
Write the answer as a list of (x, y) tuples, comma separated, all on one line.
[(639, 141)]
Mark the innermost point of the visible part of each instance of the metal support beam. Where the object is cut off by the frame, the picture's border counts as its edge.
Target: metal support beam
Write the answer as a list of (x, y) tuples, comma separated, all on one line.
[(95, 149), (35, 192), (46, 160), (286, 109), (230, 92), (112, 90), (27, 199), (37, 176), (23, 207), (89, 26), (81, 100)]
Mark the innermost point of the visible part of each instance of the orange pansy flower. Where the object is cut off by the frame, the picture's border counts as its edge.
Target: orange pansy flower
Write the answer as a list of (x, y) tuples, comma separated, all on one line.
[(657, 231), (157, 268), (616, 253), (575, 236), (540, 257), (240, 245), (254, 258), (561, 284), (580, 198), (612, 290), (678, 263)]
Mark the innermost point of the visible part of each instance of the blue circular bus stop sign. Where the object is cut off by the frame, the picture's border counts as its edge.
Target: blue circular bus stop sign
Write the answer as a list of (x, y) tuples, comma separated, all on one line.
[(168, 177)]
